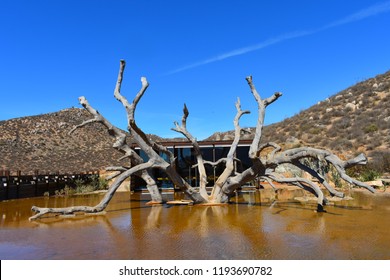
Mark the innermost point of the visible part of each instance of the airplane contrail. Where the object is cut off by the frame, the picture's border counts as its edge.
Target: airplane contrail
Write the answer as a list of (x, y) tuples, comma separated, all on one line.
[(360, 15)]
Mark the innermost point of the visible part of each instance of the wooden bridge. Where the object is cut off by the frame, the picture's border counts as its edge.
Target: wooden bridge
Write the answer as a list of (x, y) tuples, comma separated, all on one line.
[(16, 185)]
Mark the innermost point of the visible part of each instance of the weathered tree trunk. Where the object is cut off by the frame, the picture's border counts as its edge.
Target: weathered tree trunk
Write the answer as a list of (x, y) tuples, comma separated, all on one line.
[(121, 145), (228, 182)]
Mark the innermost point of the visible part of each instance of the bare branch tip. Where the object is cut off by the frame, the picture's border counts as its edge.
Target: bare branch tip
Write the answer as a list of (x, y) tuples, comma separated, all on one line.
[(82, 99), (249, 79)]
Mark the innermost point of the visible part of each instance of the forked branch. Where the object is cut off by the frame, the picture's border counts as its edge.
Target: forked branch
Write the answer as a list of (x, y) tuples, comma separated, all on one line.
[(261, 104), (199, 158), (121, 145), (217, 192), (148, 145)]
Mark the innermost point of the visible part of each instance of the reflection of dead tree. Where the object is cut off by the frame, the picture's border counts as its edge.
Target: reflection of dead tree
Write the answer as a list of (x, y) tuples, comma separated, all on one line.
[(229, 180), (154, 216)]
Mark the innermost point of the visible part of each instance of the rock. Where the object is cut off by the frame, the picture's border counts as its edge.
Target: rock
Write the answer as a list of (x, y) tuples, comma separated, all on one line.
[(287, 169), (62, 124), (292, 140), (180, 202), (350, 106), (227, 137), (376, 183), (386, 181), (328, 110)]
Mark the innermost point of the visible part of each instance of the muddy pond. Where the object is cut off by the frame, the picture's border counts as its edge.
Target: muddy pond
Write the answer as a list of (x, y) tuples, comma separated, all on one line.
[(251, 227)]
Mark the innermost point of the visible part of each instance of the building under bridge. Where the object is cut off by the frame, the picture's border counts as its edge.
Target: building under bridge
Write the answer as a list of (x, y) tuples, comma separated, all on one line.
[(186, 159)]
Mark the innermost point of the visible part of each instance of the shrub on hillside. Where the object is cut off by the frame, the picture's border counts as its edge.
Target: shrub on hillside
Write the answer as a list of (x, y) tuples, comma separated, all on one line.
[(364, 173), (370, 128)]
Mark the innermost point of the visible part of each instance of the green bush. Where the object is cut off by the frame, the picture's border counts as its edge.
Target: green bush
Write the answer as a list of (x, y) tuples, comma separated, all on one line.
[(369, 175), (315, 130), (386, 162), (364, 173), (370, 128), (99, 183), (65, 191), (79, 186)]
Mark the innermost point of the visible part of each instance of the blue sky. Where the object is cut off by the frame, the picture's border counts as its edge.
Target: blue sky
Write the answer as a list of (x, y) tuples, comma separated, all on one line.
[(193, 52)]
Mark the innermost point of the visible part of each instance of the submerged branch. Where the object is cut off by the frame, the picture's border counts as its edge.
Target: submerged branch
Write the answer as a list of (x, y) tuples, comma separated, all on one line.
[(40, 211)]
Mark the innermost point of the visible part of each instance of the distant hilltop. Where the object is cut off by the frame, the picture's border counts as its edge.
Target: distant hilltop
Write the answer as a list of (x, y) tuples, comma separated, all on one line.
[(354, 120), (43, 143)]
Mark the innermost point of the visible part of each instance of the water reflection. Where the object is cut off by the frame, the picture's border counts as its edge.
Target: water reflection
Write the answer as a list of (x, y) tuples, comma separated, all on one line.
[(253, 226)]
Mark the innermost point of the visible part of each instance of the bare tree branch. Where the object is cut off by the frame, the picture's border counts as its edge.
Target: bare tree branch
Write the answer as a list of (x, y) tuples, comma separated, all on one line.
[(146, 144), (319, 177), (292, 155), (102, 204), (304, 184), (221, 160), (199, 158), (121, 145), (229, 167), (276, 149), (262, 104)]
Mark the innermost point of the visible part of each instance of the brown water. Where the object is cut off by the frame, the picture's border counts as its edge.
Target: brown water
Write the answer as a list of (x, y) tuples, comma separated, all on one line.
[(252, 227)]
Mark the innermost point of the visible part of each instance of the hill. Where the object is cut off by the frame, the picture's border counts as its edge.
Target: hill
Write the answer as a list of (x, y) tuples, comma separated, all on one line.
[(354, 120), (43, 143)]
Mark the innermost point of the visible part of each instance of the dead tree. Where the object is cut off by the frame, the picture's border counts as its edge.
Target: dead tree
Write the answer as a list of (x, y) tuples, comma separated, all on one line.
[(229, 181)]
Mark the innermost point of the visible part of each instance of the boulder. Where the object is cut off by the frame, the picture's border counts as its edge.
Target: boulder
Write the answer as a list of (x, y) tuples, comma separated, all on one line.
[(350, 106), (375, 183)]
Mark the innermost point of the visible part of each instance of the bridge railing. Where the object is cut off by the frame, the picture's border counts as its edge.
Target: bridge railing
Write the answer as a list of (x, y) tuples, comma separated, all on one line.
[(15, 185)]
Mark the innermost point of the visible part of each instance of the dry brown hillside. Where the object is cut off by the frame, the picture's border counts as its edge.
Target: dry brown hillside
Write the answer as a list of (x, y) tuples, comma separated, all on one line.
[(43, 143), (352, 121)]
